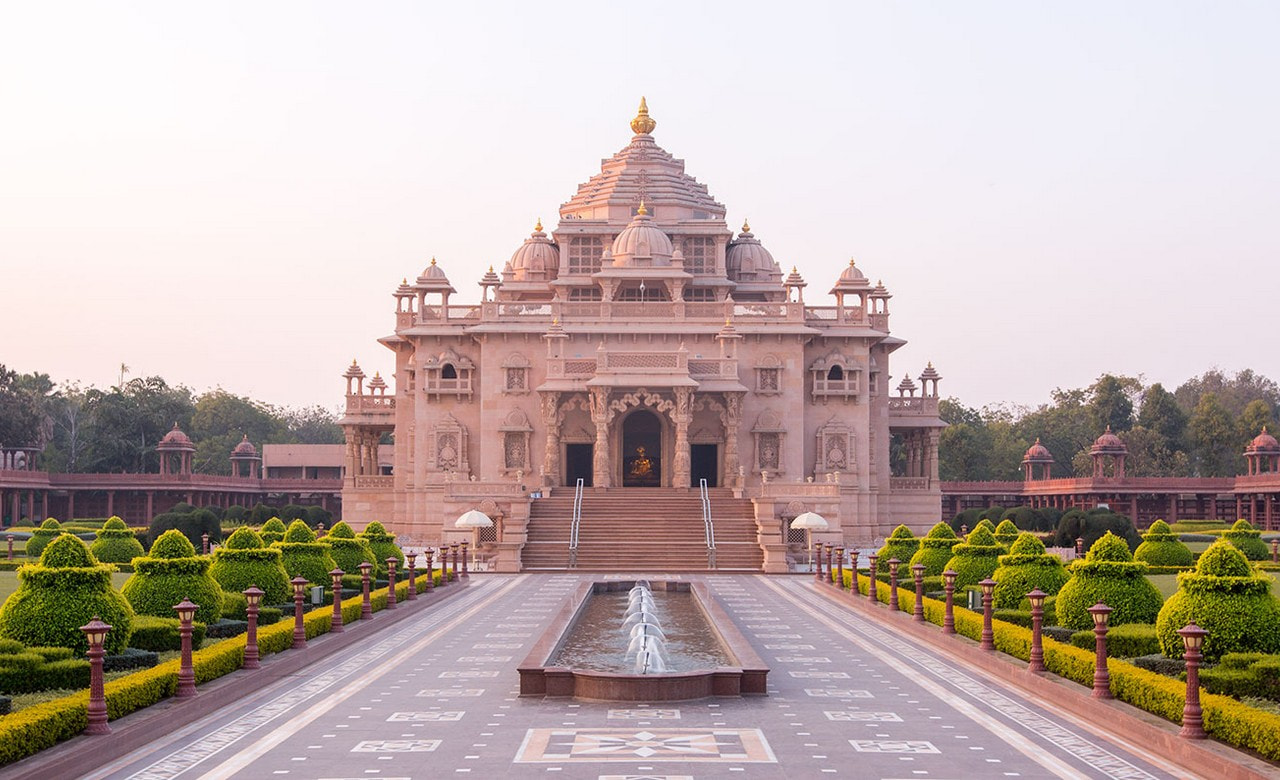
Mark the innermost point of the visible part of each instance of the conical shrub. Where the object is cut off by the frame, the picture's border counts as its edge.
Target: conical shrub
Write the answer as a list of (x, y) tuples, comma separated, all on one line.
[(49, 530), (303, 556), (170, 573), (1161, 547), (244, 561), (976, 558), (116, 543), (1025, 568), (1006, 533), (1108, 574), (901, 544), (1246, 538), (348, 550), (383, 545), (935, 549), (62, 592), (272, 531), (1228, 598)]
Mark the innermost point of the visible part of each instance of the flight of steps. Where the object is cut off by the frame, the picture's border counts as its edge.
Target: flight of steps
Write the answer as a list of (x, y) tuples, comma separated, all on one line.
[(642, 529)]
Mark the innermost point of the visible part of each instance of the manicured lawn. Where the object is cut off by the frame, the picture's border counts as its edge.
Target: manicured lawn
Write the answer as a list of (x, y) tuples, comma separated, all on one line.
[(9, 582)]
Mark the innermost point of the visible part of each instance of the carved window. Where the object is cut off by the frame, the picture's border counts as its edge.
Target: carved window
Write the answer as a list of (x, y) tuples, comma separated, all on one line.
[(584, 294), (769, 375), (515, 455), (448, 372), (769, 451), (584, 255), (700, 295), (517, 380), (699, 254)]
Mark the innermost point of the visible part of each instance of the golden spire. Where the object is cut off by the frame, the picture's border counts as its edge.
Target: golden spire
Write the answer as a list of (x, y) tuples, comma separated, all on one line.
[(793, 270), (851, 262), (490, 269), (433, 261), (640, 212), (746, 226), (538, 227), (643, 124), (405, 280)]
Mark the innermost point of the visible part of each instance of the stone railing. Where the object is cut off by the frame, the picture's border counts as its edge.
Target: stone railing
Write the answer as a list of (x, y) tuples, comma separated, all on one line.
[(470, 489), (371, 404), (908, 483), (375, 482), (922, 406)]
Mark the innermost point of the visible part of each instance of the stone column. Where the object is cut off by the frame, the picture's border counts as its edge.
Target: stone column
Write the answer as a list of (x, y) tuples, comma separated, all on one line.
[(600, 457), (682, 415), (551, 456), (732, 419), (933, 456)]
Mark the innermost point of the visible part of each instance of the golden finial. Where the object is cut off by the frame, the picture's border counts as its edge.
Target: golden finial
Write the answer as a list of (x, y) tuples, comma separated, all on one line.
[(643, 124), (404, 280), (555, 321), (538, 227), (746, 226), (640, 212), (851, 262), (793, 270), (433, 261), (490, 269)]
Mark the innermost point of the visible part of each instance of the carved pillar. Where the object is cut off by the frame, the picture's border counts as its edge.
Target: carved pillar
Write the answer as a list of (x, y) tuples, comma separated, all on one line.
[(933, 456), (732, 419), (551, 456), (600, 456), (682, 415)]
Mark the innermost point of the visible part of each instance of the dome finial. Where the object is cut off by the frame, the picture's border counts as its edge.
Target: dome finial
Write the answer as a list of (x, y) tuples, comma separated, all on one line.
[(433, 261), (746, 226), (538, 227), (640, 212), (851, 262), (643, 124)]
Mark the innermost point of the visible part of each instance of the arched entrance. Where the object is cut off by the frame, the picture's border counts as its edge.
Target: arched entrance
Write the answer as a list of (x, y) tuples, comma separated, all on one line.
[(641, 449)]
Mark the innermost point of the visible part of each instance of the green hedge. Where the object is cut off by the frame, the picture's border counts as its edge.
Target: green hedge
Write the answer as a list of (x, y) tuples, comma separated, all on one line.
[(170, 573), (49, 530), (1160, 547), (935, 549), (1124, 641), (162, 634), (305, 557), (347, 550), (1108, 574), (1247, 540), (977, 558), (245, 560), (1245, 674), (384, 546), (1025, 568)]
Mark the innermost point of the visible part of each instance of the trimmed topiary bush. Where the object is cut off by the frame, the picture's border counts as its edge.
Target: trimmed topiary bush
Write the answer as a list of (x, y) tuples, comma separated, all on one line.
[(348, 550), (64, 591), (384, 546), (193, 523), (244, 561), (1160, 547), (116, 543), (1092, 525), (1025, 568), (49, 530), (1228, 598), (170, 573), (303, 556), (986, 523), (1130, 640), (1006, 533), (1108, 574), (976, 558), (161, 634), (935, 549), (1244, 536), (901, 544), (272, 531)]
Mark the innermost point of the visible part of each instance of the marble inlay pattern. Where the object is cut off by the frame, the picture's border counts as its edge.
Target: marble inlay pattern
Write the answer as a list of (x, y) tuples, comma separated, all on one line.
[(666, 744)]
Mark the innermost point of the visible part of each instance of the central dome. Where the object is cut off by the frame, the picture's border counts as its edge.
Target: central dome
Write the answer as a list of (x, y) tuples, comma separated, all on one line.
[(642, 240), (538, 259)]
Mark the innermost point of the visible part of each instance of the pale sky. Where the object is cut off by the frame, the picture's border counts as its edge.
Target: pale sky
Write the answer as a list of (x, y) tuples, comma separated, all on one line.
[(227, 193)]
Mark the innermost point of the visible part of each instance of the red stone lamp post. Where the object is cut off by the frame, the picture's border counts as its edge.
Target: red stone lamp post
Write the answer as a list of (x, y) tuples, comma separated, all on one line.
[(95, 631), (1079, 546), (431, 573), (464, 558), (949, 617), (828, 550), (840, 568), (9, 537), (319, 530), (204, 543), (817, 564), (893, 583), (186, 672), (853, 572), (299, 629), (1192, 719), (873, 583), (252, 596), (335, 624), (1037, 597), (391, 583), (988, 641), (453, 555), (366, 609), (1101, 675), (411, 559), (1275, 549), (917, 611)]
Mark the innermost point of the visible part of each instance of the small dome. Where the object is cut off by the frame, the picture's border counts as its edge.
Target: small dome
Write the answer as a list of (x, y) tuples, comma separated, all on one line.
[(1263, 444), (1037, 453), (175, 440), (852, 274), (538, 259), (245, 448), (353, 371), (747, 260), (432, 271), (433, 278), (641, 239), (1108, 442)]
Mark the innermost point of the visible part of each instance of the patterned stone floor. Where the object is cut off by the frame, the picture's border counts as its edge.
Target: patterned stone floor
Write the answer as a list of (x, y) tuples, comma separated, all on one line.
[(436, 697)]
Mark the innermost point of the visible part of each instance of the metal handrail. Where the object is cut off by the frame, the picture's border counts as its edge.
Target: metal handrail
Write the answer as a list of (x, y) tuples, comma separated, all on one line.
[(707, 524), (575, 524)]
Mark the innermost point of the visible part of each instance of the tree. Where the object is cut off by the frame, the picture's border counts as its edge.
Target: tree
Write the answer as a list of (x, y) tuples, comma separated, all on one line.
[(1161, 414), (1255, 417), (1110, 402), (19, 412), (219, 422), (313, 425), (1213, 437)]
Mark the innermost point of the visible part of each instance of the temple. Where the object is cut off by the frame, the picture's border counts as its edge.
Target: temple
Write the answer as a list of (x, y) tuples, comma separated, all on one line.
[(642, 351)]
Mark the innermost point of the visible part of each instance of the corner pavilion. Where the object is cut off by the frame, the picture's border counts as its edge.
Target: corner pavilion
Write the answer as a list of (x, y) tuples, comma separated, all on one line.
[(641, 348)]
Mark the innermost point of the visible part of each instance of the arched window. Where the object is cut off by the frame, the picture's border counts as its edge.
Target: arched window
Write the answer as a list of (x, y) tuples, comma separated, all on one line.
[(836, 373), (448, 372)]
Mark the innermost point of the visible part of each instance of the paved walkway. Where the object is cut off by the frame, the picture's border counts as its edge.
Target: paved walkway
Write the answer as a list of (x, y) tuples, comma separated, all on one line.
[(436, 697)]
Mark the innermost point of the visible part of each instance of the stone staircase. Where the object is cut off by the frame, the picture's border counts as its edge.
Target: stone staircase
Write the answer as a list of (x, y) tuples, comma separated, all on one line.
[(630, 529)]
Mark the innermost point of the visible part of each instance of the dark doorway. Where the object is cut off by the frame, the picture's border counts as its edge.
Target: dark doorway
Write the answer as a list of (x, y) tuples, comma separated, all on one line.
[(703, 464), (577, 464), (641, 449)]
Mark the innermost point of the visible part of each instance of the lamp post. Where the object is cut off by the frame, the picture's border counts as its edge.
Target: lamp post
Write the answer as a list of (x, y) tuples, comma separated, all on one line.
[(873, 582), (917, 611), (817, 568), (410, 557), (988, 636), (1079, 546), (431, 573), (95, 631), (830, 555), (853, 571), (1101, 675), (464, 558), (366, 609), (453, 557), (949, 617), (204, 543), (186, 673), (840, 568), (1192, 719), (335, 624), (1275, 549), (893, 584), (9, 537), (252, 596), (391, 583), (299, 630), (1037, 597)]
